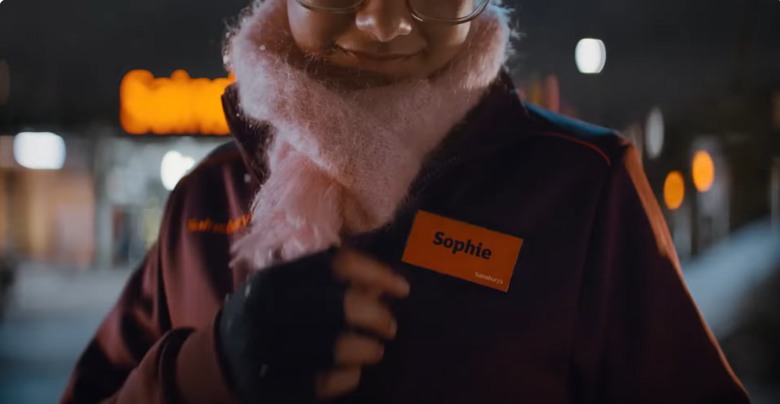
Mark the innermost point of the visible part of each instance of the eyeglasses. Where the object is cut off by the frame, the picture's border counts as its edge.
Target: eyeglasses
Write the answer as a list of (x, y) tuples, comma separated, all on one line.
[(428, 11)]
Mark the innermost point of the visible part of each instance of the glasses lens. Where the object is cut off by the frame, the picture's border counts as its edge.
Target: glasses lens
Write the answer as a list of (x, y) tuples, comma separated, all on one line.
[(446, 10), (330, 5)]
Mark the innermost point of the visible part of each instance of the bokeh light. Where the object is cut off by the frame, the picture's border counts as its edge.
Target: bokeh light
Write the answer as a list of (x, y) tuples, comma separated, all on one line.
[(590, 55), (654, 133), (703, 171), (39, 150), (173, 167), (674, 190)]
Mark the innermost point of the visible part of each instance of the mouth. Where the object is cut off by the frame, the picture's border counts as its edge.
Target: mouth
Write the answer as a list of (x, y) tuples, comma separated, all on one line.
[(378, 62), (377, 57)]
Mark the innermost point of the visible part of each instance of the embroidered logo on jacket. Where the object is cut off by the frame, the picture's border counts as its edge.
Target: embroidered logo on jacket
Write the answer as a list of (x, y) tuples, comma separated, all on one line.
[(210, 226)]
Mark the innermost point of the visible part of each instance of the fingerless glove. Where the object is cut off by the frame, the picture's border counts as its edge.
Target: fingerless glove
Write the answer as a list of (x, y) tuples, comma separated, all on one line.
[(279, 328)]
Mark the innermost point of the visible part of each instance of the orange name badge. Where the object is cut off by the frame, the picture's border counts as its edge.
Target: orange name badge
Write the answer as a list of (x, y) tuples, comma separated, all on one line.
[(462, 250)]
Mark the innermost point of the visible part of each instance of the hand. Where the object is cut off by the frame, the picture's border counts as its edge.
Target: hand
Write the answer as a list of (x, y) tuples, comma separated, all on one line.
[(368, 281), (285, 335)]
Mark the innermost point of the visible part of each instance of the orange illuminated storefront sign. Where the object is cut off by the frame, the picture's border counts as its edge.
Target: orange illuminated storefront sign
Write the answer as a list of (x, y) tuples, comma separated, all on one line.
[(176, 105)]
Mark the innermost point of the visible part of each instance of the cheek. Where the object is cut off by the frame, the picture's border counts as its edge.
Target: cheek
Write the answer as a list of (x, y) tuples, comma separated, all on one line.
[(444, 42), (314, 32)]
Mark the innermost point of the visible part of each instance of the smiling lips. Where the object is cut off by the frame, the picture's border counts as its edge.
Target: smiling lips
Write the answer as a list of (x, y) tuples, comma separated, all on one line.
[(377, 61), (378, 57)]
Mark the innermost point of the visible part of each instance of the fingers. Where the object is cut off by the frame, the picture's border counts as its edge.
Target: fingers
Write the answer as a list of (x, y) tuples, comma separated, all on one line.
[(363, 311), (368, 279), (357, 350), (352, 352), (336, 382), (366, 272)]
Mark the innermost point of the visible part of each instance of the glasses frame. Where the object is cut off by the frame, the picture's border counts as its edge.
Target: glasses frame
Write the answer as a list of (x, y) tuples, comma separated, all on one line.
[(421, 18)]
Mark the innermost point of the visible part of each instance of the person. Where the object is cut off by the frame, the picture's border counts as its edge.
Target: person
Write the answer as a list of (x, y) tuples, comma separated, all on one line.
[(391, 224)]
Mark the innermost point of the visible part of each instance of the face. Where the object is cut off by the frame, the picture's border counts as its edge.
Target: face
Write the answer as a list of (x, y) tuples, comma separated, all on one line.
[(381, 42)]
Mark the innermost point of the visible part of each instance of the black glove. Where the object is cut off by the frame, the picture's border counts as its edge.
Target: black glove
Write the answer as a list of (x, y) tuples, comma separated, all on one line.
[(277, 330)]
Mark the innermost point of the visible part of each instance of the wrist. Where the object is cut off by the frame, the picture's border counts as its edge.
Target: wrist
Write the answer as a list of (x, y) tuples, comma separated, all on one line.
[(200, 373)]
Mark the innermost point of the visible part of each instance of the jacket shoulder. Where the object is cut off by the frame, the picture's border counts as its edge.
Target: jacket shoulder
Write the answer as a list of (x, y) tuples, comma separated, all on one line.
[(225, 157), (606, 143), (223, 153), (218, 178)]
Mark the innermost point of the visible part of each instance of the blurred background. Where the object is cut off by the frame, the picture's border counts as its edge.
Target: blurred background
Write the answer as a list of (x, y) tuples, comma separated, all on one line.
[(105, 104)]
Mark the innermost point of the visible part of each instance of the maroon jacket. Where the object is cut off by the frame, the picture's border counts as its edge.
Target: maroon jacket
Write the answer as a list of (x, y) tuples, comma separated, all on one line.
[(597, 311)]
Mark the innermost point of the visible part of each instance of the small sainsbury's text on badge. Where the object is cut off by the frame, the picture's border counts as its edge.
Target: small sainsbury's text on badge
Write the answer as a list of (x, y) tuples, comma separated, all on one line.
[(488, 278)]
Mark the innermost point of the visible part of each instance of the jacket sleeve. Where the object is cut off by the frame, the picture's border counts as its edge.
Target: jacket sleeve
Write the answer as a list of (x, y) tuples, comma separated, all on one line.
[(135, 355), (639, 336)]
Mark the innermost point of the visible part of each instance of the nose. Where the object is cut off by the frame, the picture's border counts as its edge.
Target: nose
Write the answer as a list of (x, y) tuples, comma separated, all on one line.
[(385, 20)]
